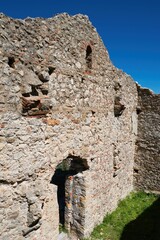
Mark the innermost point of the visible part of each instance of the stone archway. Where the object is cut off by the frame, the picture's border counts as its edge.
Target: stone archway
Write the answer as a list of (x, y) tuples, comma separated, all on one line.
[(71, 192)]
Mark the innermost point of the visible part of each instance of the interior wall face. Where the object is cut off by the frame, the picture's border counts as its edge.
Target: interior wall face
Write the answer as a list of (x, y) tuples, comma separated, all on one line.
[(56, 103), (111, 170), (147, 158)]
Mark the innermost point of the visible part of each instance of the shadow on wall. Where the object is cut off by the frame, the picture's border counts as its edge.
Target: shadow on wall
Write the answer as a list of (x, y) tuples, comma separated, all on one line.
[(146, 226)]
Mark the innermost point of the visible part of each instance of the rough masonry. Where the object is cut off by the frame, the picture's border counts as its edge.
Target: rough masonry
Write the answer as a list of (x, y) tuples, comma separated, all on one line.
[(147, 159), (68, 129)]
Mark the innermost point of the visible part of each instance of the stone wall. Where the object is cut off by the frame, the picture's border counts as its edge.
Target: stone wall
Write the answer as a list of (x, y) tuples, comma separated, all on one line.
[(147, 160), (60, 97)]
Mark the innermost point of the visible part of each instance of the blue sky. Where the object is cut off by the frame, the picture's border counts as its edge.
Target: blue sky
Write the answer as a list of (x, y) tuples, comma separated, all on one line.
[(130, 29)]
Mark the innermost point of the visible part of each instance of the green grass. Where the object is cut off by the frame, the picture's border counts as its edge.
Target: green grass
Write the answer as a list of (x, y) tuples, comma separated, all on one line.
[(62, 229), (136, 218)]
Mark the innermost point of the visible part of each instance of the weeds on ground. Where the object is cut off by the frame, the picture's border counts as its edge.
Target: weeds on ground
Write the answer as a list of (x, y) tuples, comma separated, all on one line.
[(62, 229)]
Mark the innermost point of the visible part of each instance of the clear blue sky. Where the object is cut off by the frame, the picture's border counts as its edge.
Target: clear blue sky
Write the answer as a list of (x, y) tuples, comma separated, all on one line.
[(130, 29)]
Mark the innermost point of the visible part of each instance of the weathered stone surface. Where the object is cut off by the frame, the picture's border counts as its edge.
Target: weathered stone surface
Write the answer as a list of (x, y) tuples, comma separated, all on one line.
[(147, 161), (61, 98)]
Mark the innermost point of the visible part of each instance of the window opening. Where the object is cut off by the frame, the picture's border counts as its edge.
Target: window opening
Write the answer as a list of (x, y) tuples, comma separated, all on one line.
[(89, 57)]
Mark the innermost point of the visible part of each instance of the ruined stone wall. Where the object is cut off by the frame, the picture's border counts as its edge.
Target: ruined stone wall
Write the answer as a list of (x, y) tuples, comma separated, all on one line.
[(147, 159), (61, 96)]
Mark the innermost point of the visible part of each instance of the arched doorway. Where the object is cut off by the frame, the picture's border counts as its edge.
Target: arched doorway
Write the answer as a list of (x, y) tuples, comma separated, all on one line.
[(70, 182)]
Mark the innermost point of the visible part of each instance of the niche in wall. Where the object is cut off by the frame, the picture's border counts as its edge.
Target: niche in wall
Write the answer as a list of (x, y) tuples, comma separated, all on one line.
[(118, 107), (36, 102), (35, 105), (116, 160)]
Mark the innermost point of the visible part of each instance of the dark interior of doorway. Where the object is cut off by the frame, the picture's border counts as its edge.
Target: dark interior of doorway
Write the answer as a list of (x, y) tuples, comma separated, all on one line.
[(68, 167)]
